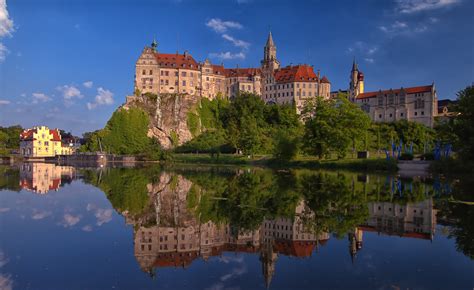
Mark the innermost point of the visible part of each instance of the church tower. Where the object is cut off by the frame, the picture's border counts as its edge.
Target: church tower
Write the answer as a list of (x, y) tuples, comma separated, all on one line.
[(270, 62), (356, 84)]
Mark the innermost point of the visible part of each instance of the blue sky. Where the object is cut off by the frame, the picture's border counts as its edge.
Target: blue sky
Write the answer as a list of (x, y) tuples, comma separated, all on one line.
[(70, 63)]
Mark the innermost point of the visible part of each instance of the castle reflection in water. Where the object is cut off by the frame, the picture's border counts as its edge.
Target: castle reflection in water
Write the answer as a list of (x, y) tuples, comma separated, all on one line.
[(178, 238), (171, 234)]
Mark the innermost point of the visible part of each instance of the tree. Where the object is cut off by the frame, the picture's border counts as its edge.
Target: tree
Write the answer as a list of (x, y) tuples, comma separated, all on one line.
[(464, 124), (333, 125)]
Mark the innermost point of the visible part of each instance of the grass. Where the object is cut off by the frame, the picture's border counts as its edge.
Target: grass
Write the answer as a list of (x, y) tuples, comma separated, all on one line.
[(373, 164)]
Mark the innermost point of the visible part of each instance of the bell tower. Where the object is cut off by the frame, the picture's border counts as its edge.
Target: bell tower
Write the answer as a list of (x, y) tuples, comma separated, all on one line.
[(270, 61)]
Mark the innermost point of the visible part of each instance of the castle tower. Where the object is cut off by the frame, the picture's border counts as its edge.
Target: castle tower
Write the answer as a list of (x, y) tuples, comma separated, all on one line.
[(268, 258), (356, 84), (270, 61)]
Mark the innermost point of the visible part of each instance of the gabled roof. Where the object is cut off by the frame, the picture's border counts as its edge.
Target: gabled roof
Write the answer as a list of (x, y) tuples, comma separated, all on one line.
[(325, 80), (297, 73), (242, 72), (218, 70), (27, 135), (412, 90), (175, 60)]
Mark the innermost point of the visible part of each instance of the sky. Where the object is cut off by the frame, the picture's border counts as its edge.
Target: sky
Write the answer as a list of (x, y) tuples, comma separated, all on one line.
[(70, 63)]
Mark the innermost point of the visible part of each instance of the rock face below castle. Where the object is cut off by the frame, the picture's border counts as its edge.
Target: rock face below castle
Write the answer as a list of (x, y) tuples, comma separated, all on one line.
[(168, 116)]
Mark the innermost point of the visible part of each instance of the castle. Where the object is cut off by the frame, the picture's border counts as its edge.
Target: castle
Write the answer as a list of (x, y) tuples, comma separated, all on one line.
[(417, 104), (162, 73)]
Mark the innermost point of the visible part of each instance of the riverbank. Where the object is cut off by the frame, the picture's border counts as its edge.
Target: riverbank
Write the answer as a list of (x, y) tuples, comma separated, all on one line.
[(375, 164)]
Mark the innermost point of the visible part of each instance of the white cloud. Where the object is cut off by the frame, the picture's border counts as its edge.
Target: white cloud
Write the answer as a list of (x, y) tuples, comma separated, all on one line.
[(222, 26), (6, 24), (40, 98), (412, 6), (88, 84), (103, 216), (402, 28), (4, 102), (236, 42), (3, 52), (39, 215), (369, 60), (87, 228), (103, 97), (227, 55), (70, 220), (394, 28), (70, 92), (6, 282)]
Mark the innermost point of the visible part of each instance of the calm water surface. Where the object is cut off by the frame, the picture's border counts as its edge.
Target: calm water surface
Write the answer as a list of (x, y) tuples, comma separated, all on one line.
[(219, 228)]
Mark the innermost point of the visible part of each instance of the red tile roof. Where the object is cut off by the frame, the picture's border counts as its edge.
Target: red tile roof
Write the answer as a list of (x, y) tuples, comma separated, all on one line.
[(176, 61), (298, 73), (218, 70), (242, 72), (424, 236), (56, 135), (325, 80), (294, 248), (412, 90), (27, 135)]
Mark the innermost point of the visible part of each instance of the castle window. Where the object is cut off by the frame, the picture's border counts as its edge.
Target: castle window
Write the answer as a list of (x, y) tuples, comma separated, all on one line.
[(151, 72), (184, 83), (175, 73), (380, 101), (143, 72), (304, 86), (402, 99), (390, 115), (183, 74), (162, 73), (416, 113), (422, 113), (401, 114), (380, 116), (390, 99)]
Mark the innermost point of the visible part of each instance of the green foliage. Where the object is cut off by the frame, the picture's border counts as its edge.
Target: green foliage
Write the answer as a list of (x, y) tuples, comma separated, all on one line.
[(383, 134), (464, 124), (174, 138), (406, 156), (211, 141), (126, 188), (151, 97), (334, 125), (193, 123), (246, 124), (125, 133), (287, 146), (10, 137)]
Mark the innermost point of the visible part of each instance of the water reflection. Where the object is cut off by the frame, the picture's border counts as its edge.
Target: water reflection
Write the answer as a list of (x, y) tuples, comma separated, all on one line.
[(43, 177), (182, 215)]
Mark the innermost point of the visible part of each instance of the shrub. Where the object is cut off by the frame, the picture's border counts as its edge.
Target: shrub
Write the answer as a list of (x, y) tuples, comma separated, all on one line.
[(406, 156)]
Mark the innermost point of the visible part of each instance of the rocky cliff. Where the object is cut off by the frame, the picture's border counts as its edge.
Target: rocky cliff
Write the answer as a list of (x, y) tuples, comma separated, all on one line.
[(168, 116)]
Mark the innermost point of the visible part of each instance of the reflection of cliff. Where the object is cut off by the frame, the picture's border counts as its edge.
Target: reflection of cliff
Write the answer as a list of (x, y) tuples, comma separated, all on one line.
[(178, 238), (43, 177)]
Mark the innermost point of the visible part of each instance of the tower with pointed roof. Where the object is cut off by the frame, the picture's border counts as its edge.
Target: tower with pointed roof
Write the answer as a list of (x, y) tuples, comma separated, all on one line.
[(356, 84), (270, 62)]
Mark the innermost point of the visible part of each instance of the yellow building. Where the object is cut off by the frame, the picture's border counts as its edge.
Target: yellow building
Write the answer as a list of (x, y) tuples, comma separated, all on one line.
[(41, 141)]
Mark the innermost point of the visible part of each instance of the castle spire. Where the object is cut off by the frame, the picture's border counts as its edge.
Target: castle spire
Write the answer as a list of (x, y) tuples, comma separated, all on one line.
[(270, 40), (354, 65), (154, 44)]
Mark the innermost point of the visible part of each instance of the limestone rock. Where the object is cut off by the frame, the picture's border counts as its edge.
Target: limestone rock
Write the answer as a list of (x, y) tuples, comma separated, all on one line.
[(168, 116)]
